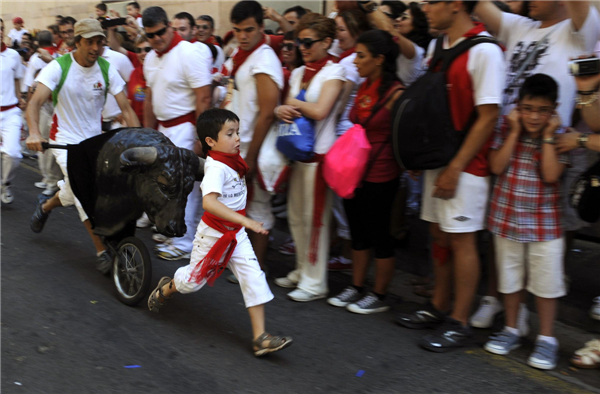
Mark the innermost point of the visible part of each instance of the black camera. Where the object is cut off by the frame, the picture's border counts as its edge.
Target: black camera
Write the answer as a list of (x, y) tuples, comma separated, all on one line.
[(106, 22), (589, 66)]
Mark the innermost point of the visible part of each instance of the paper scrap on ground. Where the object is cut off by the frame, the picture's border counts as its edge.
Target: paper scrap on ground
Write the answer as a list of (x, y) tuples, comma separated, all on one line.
[(360, 373), (133, 366)]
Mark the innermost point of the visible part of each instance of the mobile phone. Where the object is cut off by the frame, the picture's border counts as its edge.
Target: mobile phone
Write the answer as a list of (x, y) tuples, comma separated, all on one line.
[(589, 66), (113, 22)]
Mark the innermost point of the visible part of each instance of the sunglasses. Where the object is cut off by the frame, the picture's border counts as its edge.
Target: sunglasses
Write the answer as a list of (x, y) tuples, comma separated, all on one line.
[(306, 43), (158, 33), (288, 46), (389, 15), (146, 49), (203, 27)]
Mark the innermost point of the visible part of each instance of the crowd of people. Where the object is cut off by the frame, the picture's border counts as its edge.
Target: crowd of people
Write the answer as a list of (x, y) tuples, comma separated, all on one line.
[(528, 128)]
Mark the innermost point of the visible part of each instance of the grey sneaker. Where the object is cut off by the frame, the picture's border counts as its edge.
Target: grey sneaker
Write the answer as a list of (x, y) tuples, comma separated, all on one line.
[(6, 195), (370, 303), (502, 343), (347, 296), (544, 355), (105, 262)]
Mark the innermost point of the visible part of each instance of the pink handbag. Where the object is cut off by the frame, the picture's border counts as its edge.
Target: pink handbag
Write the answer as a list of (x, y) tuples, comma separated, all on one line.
[(346, 162)]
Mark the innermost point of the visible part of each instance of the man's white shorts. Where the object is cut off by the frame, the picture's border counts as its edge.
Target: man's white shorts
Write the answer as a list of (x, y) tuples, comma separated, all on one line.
[(465, 213), (243, 264), (65, 194), (540, 262), (259, 207)]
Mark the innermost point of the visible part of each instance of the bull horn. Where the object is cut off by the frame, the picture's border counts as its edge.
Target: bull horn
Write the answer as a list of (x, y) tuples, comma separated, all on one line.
[(200, 170), (139, 156)]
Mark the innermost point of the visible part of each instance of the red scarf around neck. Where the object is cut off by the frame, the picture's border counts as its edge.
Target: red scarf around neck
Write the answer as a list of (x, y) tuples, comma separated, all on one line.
[(176, 40), (312, 68), (366, 98), (231, 160), (3, 47), (213, 41), (51, 50), (347, 53), (240, 56)]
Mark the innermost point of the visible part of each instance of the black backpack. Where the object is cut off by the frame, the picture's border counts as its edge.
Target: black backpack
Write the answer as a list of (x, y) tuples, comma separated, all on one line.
[(585, 194), (423, 135)]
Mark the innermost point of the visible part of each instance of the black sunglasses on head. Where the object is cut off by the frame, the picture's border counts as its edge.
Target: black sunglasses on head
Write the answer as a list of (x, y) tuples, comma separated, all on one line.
[(139, 50), (158, 33), (306, 42)]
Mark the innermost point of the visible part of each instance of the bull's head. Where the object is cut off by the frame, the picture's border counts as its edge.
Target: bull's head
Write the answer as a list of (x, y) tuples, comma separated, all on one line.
[(164, 178)]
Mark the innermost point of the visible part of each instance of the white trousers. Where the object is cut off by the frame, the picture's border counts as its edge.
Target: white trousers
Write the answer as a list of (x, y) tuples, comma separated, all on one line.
[(10, 133), (48, 166), (259, 207), (243, 264), (184, 136), (65, 194), (310, 277)]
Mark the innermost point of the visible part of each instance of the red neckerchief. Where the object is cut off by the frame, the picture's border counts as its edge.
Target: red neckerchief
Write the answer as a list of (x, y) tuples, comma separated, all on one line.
[(240, 56), (213, 41), (138, 15), (313, 68), (3, 47), (231, 160), (478, 28), (51, 50), (366, 98), (176, 40), (194, 40), (347, 53)]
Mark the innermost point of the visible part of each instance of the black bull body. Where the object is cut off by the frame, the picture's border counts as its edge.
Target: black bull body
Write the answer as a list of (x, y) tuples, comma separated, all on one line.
[(140, 170)]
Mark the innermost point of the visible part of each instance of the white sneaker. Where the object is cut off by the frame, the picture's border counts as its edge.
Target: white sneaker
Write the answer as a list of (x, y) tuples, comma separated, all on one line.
[(300, 295), (40, 185), (595, 311), (161, 239), (523, 320), (143, 222), (285, 283), (5, 195), (489, 307)]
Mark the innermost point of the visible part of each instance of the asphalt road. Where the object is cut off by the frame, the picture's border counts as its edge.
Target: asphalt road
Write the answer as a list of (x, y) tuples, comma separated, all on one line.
[(63, 331)]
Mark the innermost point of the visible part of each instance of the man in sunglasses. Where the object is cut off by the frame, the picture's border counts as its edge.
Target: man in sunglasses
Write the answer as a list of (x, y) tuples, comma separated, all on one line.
[(78, 102), (180, 74), (254, 64)]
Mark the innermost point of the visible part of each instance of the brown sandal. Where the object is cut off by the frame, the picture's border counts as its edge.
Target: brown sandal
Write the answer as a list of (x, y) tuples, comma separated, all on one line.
[(275, 344), (157, 299)]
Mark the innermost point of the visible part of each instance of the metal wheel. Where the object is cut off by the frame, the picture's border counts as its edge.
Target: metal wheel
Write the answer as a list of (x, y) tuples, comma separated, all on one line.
[(132, 271)]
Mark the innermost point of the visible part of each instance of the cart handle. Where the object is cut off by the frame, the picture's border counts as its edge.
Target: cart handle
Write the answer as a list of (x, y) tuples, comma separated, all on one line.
[(47, 146)]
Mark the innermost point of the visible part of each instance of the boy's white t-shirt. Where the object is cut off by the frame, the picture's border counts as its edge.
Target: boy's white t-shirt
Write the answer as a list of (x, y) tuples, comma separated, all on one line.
[(324, 129), (221, 179), (244, 103), (81, 98), (521, 34)]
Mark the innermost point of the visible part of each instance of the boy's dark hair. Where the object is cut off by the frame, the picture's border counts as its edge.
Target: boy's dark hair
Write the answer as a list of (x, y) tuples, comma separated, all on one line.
[(188, 16), (247, 9), (101, 7), (210, 122), (207, 18), (300, 11), (134, 4), (153, 16), (539, 86)]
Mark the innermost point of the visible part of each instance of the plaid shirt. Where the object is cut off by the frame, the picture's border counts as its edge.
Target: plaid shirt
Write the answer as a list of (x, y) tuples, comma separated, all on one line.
[(523, 208)]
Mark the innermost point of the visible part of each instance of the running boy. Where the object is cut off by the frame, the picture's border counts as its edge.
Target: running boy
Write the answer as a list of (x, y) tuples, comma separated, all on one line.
[(525, 216), (220, 238)]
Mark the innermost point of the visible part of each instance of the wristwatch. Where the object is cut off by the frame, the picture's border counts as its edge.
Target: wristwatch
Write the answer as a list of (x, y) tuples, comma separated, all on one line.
[(367, 6), (582, 140), (549, 140)]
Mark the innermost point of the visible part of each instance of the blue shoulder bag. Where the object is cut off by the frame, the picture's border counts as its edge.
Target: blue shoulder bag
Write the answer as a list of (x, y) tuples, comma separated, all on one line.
[(297, 140)]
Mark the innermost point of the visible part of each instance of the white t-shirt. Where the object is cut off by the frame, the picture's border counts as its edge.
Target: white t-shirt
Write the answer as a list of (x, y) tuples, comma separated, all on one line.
[(351, 76), (124, 67), (34, 65), (16, 35), (223, 180), (11, 68), (244, 102), (521, 34), (485, 67), (81, 98), (174, 76), (408, 70), (324, 129)]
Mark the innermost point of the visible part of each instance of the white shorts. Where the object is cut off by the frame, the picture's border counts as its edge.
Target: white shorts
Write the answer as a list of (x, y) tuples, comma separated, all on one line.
[(259, 208), (465, 213), (65, 194), (544, 263), (243, 264), (182, 135)]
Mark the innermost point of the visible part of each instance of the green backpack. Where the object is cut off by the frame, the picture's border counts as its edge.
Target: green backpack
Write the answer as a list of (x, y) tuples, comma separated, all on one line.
[(65, 64)]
